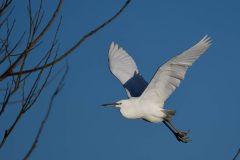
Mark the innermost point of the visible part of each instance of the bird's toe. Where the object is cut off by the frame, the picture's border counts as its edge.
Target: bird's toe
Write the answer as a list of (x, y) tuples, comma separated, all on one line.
[(183, 134), (183, 139)]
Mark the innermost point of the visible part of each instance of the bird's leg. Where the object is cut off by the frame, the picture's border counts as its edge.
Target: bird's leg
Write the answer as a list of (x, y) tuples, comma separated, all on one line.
[(180, 133), (170, 128), (181, 136)]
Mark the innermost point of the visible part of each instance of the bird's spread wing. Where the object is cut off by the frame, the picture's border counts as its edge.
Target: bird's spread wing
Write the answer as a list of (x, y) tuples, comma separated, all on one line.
[(125, 69), (168, 76)]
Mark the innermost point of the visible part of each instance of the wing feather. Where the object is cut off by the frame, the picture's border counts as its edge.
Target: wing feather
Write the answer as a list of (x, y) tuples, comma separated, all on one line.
[(168, 77), (125, 69)]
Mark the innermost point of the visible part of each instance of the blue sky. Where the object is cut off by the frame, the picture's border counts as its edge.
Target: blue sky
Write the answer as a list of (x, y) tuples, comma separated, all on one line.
[(207, 101)]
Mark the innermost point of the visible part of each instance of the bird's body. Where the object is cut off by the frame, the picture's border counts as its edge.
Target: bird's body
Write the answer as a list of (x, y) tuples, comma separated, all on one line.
[(146, 100), (134, 108)]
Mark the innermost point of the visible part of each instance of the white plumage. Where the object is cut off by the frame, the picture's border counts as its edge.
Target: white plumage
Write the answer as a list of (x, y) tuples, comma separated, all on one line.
[(169, 75), (121, 64), (146, 101)]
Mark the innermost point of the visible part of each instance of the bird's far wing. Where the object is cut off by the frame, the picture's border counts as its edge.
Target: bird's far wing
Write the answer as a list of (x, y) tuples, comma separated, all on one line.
[(124, 68), (168, 76)]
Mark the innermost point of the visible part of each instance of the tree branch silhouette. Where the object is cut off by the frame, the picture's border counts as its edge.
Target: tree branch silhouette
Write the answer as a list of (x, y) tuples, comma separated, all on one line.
[(69, 51), (50, 106), (28, 60), (237, 154)]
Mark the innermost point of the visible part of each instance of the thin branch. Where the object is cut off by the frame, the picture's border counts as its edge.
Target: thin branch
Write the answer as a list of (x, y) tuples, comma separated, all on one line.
[(4, 6), (9, 130), (34, 95), (50, 81), (32, 43), (29, 84), (6, 17), (13, 49), (88, 35), (40, 129), (237, 154), (49, 23)]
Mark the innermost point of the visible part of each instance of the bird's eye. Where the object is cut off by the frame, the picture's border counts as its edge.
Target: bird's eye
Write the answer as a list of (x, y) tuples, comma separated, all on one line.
[(119, 103)]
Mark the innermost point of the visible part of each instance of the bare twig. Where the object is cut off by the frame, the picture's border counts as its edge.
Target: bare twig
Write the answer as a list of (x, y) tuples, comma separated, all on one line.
[(33, 42), (24, 86), (40, 129), (69, 51), (35, 82), (4, 6), (237, 154), (54, 76)]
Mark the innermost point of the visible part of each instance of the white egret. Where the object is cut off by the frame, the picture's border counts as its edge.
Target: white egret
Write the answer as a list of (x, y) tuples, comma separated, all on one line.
[(145, 101)]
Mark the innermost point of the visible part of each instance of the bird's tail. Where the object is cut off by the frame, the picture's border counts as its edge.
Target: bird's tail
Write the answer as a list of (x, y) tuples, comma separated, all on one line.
[(169, 114)]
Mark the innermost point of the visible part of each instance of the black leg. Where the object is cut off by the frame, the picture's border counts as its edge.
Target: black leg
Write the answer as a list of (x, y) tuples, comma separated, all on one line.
[(181, 133), (181, 136), (169, 127)]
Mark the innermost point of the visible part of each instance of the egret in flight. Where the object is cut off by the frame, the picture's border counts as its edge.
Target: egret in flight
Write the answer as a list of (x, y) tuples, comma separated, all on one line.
[(146, 100)]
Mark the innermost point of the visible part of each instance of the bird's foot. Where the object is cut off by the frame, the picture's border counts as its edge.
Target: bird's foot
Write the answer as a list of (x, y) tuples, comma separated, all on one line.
[(182, 136), (183, 139)]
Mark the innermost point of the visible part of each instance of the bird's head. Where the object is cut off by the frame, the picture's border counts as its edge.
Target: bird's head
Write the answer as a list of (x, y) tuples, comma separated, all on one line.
[(117, 104)]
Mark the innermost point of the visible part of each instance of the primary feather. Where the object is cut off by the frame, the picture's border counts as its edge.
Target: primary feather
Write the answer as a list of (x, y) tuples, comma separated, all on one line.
[(121, 64), (168, 76)]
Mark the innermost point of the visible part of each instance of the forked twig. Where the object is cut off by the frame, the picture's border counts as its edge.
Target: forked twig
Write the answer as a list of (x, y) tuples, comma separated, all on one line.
[(69, 51)]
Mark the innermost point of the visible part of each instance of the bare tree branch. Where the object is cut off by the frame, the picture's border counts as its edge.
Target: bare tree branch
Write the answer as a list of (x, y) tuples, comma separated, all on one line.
[(28, 63), (40, 129), (88, 35), (33, 42), (4, 6), (36, 82)]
